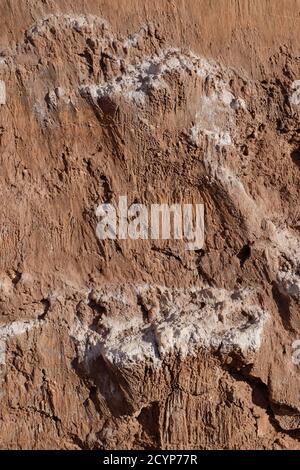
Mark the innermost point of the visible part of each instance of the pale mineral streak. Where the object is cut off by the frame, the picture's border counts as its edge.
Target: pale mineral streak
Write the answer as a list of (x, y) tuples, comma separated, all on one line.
[(289, 284), (2, 92), (11, 330), (295, 95), (186, 321), (76, 22), (151, 73)]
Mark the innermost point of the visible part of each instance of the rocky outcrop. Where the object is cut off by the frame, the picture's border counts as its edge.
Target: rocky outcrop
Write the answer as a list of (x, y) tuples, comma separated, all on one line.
[(142, 344)]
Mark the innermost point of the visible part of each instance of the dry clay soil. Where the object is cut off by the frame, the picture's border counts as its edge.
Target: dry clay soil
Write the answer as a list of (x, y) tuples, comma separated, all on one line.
[(142, 344)]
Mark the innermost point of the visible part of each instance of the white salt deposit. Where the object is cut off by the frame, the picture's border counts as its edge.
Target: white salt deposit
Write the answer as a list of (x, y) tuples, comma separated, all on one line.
[(2, 92), (135, 84), (215, 117), (76, 22), (187, 320), (10, 330), (295, 96), (289, 284)]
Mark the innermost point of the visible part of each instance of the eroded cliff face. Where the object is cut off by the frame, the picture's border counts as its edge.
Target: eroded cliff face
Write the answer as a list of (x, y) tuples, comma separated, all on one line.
[(138, 344)]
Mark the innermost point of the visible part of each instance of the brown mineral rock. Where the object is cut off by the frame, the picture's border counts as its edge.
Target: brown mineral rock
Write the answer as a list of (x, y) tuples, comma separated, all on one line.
[(149, 342)]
